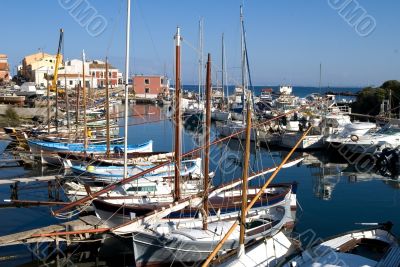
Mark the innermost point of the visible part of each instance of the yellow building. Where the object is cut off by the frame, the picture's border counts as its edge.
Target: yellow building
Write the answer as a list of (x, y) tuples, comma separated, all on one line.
[(36, 66)]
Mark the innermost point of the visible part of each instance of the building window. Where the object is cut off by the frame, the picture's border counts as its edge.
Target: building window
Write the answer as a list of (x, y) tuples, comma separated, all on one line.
[(109, 74), (70, 82), (162, 81), (146, 81), (146, 90)]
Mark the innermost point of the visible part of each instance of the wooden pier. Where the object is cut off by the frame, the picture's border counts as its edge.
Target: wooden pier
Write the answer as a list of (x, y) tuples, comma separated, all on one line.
[(69, 232), (30, 179)]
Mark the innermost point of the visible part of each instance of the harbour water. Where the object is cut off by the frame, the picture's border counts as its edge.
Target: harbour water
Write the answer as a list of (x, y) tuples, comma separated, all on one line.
[(333, 195)]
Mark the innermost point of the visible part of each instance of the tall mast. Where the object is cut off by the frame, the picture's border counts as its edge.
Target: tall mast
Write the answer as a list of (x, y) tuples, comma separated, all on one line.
[(128, 28), (107, 112), (177, 114), (56, 115), (48, 103), (66, 100), (223, 73), (320, 77), (85, 141), (207, 142), (201, 60), (243, 58), (245, 177), (78, 89)]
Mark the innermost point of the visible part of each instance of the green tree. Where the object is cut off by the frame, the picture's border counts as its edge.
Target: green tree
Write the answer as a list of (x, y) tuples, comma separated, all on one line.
[(12, 117), (369, 99)]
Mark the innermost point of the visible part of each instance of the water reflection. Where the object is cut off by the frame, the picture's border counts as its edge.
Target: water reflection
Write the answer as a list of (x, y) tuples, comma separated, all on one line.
[(328, 171)]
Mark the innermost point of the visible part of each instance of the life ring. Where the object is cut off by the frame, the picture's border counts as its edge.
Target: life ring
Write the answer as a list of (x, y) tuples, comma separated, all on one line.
[(354, 138)]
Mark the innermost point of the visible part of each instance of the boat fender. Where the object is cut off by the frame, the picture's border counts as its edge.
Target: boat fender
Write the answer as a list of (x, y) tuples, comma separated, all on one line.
[(90, 168), (354, 138)]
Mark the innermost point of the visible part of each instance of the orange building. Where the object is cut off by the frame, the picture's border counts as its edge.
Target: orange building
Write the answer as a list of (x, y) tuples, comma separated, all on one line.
[(4, 68), (150, 86)]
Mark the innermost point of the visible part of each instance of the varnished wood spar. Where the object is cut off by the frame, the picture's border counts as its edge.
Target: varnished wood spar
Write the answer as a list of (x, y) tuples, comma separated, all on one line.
[(177, 189), (245, 175), (67, 102), (85, 141), (35, 202), (56, 115), (48, 103), (88, 231), (230, 231), (207, 142), (77, 108), (107, 113)]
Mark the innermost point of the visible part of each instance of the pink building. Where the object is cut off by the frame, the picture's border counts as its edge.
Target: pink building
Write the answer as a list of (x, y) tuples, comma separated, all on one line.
[(150, 86), (98, 72)]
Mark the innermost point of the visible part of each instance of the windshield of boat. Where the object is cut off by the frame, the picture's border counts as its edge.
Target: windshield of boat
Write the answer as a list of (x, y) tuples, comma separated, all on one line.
[(388, 131)]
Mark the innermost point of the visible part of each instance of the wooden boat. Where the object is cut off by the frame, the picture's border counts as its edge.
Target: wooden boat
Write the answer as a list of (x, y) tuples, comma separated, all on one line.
[(220, 115), (190, 244), (109, 208), (12, 99), (4, 142), (375, 246), (115, 159), (113, 173), (39, 146)]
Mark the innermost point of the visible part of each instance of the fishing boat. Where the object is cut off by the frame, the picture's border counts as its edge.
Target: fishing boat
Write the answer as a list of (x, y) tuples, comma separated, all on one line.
[(4, 142), (268, 251), (13, 99), (186, 242), (324, 126), (138, 203), (113, 173), (114, 159), (37, 146), (220, 115), (231, 127), (375, 246)]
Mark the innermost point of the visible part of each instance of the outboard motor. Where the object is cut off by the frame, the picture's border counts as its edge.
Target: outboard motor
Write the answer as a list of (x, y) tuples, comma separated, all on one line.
[(387, 162), (118, 150)]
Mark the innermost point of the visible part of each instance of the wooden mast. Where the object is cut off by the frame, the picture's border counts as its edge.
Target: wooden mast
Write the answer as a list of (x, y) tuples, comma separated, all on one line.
[(177, 195), (78, 89), (207, 142), (66, 101), (107, 112), (255, 198), (48, 103), (56, 120), (85, 141), (223, 73), (245, 178)]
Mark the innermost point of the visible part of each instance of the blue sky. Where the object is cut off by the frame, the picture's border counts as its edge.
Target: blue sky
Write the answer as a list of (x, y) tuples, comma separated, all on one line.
[(286, 39)]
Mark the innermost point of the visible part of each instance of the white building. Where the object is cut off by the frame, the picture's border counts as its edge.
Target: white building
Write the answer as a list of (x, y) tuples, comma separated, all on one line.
[(73, 80), (72, 73)]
